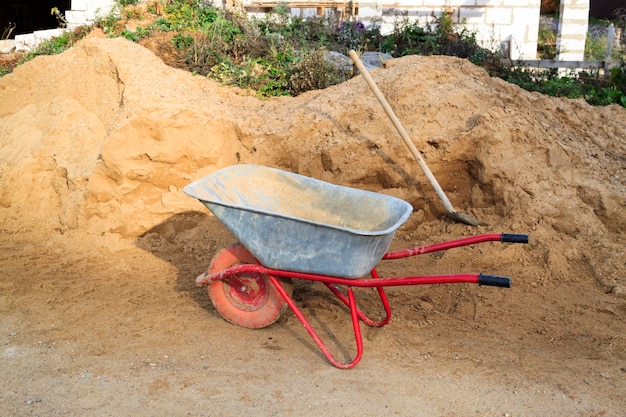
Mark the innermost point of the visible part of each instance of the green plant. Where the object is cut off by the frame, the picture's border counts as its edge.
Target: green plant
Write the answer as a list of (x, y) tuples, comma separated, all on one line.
[(264, 76), (136, 35), (124, 3), (59, 17), (619, 18), (130, 35), (6, 33), (351, 34), (546, 43), (281, 14), (316, 71), (309, 32), (409, 38), (196, 51), (445, 24), (267, 75), (584, 85), (595, 48), (616, 93), (188, 14), (606, 96), (618, 75), (108, 23), (51, 46), (182, 41)]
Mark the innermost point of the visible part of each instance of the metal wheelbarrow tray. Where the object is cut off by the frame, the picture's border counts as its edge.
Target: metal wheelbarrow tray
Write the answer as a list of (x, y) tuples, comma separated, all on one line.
[(297, 223), (294, 227)]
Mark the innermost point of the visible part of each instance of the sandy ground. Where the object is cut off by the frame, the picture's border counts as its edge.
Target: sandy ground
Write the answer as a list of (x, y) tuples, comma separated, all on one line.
[(99, 247)]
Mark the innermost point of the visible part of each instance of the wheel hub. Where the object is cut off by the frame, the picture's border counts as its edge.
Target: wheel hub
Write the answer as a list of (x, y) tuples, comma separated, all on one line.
[(248, 292)]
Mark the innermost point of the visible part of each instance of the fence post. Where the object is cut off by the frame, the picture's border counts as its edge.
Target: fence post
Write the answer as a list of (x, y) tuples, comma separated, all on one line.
[(610, 38)]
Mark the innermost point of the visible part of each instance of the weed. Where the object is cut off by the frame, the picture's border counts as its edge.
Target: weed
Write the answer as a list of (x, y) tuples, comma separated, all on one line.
[(56, 45), (130, 35), (124, 3), (316, 71), (618, 75), (182, 41), (595, 48), (258, 74), (546, 45), (619, 16), (136, 35), (6, 33), (51, 46), (409, 38), (62, 21), (351, 34), (108, 23)]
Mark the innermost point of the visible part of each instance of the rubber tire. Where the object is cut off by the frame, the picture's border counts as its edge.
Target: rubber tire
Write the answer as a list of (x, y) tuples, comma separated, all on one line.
[(232, 305)]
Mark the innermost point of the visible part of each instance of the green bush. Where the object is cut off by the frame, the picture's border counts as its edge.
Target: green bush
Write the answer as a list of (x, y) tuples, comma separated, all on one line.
[(618, 75), (408, 38), (588, 86), (316, 71)]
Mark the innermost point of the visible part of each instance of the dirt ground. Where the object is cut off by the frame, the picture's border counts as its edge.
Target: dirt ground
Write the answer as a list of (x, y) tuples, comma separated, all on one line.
[(99, 247)]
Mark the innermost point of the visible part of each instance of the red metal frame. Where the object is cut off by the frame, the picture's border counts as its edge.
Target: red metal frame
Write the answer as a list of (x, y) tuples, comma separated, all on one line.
[(230, 275)]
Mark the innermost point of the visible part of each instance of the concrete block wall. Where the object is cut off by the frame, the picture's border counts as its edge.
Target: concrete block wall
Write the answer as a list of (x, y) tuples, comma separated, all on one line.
[(573, 24), (84, 12), (508, 25)]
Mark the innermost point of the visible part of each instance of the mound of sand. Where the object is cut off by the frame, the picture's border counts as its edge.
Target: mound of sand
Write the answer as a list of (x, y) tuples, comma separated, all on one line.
[(102, 138), (99, 246)]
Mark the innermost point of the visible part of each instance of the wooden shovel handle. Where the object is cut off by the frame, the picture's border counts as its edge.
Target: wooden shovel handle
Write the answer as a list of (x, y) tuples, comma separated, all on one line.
[(405, 136)]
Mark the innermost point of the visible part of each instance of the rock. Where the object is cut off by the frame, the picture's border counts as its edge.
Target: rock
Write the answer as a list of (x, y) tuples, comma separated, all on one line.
[(7, 46), (373, 60)]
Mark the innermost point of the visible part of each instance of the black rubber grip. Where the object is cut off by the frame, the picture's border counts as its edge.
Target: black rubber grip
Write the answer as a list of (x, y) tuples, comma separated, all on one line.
[(507, 237), (494, 281)]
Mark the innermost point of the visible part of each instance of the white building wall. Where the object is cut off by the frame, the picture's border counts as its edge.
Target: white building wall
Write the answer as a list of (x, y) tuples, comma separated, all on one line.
[(509, 25)]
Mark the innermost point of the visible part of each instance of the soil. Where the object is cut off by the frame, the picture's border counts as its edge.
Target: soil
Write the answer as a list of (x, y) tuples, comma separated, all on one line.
[(99, 247)]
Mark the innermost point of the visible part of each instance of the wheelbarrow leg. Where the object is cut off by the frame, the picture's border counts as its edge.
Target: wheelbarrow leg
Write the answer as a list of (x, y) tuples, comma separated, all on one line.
[(362, 316), (354, 314)]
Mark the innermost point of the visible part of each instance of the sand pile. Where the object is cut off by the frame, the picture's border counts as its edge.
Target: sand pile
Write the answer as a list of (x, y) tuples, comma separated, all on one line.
[(102, 138), (99, 247)]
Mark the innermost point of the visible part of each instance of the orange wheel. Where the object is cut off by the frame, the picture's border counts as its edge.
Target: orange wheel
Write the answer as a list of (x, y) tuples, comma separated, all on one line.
[(255, 303)]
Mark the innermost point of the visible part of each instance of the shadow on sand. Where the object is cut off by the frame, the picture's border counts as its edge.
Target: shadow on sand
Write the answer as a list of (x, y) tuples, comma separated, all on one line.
[(189, 240)]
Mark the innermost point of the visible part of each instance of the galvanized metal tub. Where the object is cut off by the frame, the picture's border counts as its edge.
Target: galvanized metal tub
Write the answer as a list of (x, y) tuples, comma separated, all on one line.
[(296, 223)]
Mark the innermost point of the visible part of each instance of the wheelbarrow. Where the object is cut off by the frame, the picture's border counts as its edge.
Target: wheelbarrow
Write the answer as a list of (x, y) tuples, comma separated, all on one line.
[(291, 226)]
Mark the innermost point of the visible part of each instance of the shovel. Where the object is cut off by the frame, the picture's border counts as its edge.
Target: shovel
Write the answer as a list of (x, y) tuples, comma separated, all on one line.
[(460, 217)]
